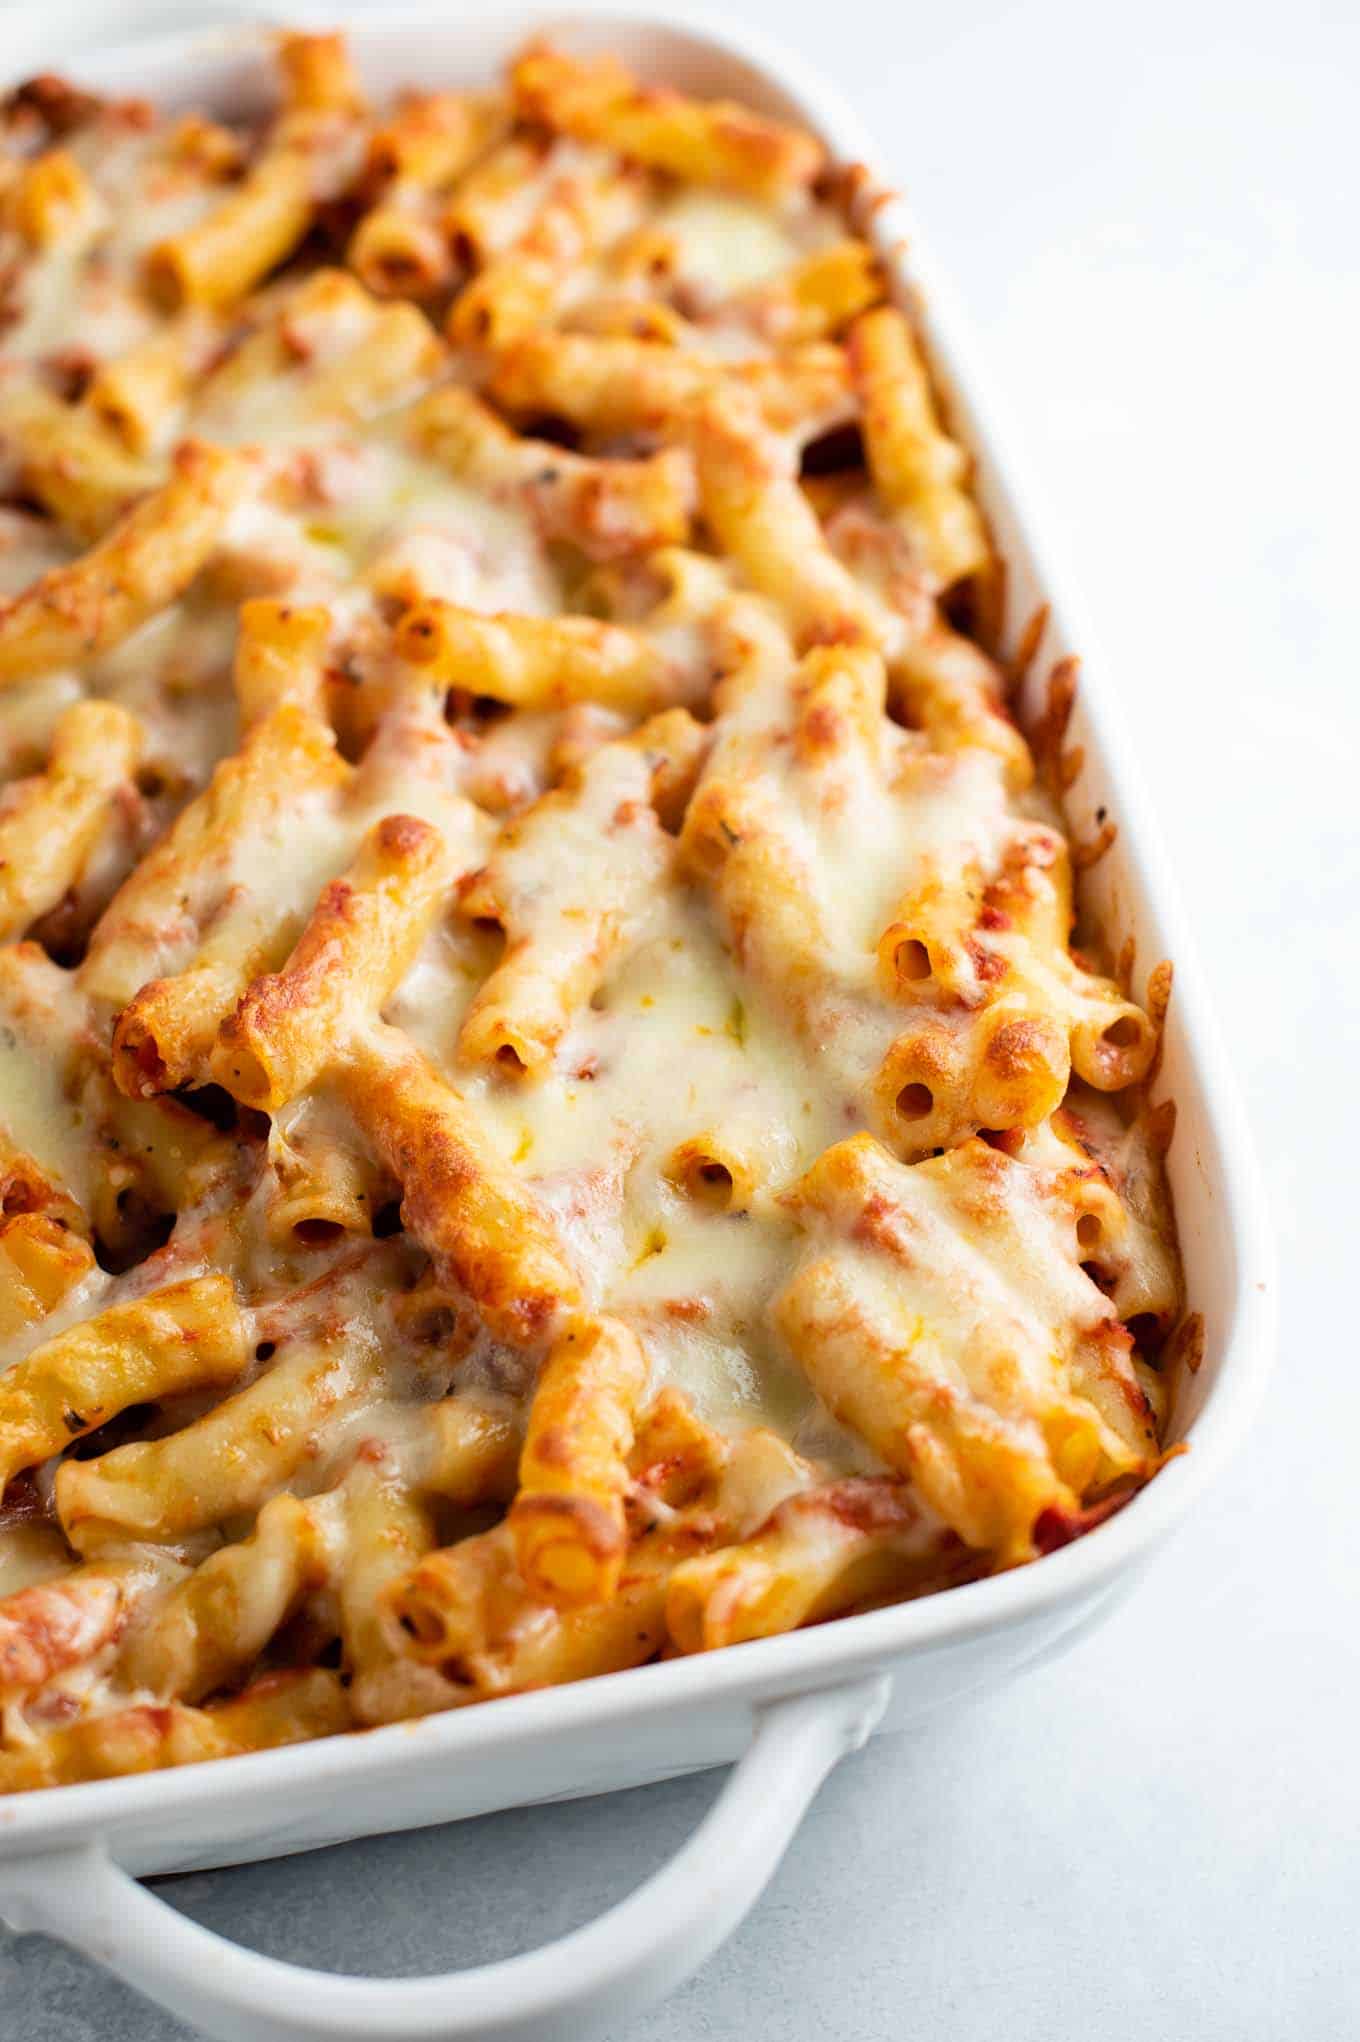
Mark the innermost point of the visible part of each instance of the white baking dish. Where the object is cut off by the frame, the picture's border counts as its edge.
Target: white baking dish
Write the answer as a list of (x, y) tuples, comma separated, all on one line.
[(788, 1707)]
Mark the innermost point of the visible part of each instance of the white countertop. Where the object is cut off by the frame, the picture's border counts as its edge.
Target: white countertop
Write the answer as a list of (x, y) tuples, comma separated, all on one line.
[(1151, 217)]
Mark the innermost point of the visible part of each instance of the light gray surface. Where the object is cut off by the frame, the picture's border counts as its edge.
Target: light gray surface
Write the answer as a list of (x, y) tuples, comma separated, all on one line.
[(1150, 215)]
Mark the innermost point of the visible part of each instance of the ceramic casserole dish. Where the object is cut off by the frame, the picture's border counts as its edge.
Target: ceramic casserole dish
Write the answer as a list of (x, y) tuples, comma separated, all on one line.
[(784, 1709)]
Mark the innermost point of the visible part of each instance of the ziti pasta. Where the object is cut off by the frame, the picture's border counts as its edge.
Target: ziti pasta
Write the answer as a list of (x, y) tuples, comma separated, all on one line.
[(551, 1109)]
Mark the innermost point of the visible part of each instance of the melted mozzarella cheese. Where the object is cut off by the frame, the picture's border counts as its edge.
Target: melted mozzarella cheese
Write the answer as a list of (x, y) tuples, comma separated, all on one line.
[(669, 1048), (731, 243), (38, 1022), (685, 1040), (30, 1553)]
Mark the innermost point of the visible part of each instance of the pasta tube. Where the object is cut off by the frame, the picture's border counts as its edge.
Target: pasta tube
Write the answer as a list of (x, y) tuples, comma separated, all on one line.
[(184, 886), (318, 74), (398, 250), (608, 509), (940, 1082), (675, 1457), (919, 472), (401, 246), (461, 1200), (221, 1618), (946, 686), (613, 384), (466, 1611), (137, 395), (231, 1460), (52, 202), (1013, 1012), (519, 288), (220, 260), (488, 204), (431, 138), (280, 657), (751, 502), (387, 1528), (187, 1336), (708, 142), (40, 1261), (70, 461), (820, 1553), (63, 1622), (320, 1185), (146, 561), (941, 1312), (816, 298), (471, 1451), (571, 881), (49, 825), (534, 662), (361, 940), (734, 1166), (568, 1520), (282, 1708)]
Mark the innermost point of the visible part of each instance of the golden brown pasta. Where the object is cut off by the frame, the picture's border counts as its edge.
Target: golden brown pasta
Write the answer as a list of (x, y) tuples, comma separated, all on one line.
[(568, 1522), (466, 1611), (561, 1102), (520, 286), (535, 662), (69, 460), (919, 471), (563, 931), (51, 200), (460, 1200), (220, 259), (49, 825), (318, 74), (60, 1623), (717, 143), (608, 509), (821, 1553), (180, 1338), (614, 384), (280, 657), (749, 495), (138, 395), (818, 296), (183, 907), (220, 1619), (943, 1311), (144, 563), (281, 1708), (402, 246), (360, 941), (228, 1462), (40, 1261)]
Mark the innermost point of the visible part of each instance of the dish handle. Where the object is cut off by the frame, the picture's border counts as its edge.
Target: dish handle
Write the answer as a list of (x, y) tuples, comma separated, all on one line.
[(596, 1976)]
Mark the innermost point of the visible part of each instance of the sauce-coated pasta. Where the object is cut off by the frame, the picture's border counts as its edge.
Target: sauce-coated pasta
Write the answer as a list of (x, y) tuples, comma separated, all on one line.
[(549, 1110)]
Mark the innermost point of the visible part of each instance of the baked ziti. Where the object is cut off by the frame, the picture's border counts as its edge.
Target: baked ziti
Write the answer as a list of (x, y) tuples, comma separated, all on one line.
[(550, 1112)]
